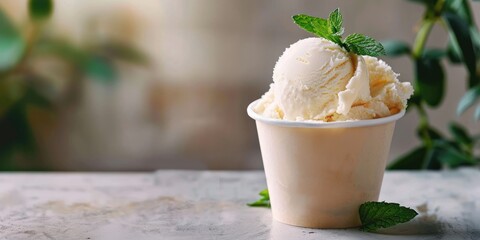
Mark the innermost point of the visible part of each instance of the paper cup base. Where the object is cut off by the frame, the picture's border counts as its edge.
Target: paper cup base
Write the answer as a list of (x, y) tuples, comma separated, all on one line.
[(318, 177)]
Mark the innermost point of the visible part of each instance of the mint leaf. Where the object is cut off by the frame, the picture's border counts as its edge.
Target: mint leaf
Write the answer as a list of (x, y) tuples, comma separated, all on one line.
[(332, 30), (364, 45), (335, 21), (376, 215), (335, 29), (315, 25), (264, 193), (264, 200), (260, 203)]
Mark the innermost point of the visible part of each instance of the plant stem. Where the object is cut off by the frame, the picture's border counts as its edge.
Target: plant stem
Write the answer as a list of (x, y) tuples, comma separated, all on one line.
[(418, 49), (427, 24), (424, 126), (438, 8), (422, 36)]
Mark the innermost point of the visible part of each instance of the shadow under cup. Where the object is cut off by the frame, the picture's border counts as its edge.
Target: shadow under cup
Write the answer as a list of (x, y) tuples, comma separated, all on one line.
[(319, 173)]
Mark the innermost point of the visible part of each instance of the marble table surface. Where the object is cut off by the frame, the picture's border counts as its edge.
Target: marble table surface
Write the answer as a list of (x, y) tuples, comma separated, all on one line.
[(200, 205)]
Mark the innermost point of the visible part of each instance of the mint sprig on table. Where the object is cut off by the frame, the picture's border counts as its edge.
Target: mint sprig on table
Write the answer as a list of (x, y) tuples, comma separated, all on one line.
[(333, 30), (376, 215), (373, 215), (264, 200)]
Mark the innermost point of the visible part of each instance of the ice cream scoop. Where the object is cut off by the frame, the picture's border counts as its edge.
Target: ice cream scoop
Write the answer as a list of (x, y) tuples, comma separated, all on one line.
[(316, 79)]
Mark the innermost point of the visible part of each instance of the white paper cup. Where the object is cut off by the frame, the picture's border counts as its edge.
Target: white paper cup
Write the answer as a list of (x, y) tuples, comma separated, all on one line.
[(318, 174)]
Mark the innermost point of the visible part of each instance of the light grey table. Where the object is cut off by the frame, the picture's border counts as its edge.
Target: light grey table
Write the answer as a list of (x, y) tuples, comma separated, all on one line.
[(211, 205)]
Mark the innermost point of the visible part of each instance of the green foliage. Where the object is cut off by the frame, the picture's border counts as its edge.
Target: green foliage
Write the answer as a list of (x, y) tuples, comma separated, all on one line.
[(315, 25), (11, 91), (332, 30), (335, 22), (376, 215), (453, 50), (40, 9), (264, 200), (468, 100), (396, 48), (123, 52), (364, 45), (430, 80), (429, 3), (461, 33), (460, 8), (335, 28), (436, 150), (476, 114), (412, 160), (12, 45), (460, 134), (100, 69), (24, 89)]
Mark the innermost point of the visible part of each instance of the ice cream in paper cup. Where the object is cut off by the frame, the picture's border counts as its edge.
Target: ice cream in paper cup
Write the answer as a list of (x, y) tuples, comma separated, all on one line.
[(325, 128)]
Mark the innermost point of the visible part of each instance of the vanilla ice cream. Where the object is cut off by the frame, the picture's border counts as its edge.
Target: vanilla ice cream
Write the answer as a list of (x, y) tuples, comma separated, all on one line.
[(316, 79)]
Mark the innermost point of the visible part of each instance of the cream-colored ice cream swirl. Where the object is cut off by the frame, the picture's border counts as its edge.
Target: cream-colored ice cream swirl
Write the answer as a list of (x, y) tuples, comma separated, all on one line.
[(316, 79)]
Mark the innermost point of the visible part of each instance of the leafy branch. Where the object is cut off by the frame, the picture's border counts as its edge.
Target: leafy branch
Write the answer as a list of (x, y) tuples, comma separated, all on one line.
[(438, 151)]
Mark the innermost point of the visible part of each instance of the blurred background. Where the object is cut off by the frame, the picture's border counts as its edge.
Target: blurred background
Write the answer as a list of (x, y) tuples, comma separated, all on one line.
[(145, 85)]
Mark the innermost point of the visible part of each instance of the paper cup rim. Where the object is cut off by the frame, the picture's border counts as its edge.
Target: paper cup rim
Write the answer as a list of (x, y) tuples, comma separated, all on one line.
[(317, 124)]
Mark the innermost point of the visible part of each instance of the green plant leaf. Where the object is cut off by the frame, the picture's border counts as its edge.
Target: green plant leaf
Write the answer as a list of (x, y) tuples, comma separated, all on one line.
[(315, 25), (413, 101), (332, 30), (100, 69), (429, 3), (64, 50), (475, 34), (430, 80), (396, 48), (428, 134), (264, 193), (460, 8), (17, 133), (264, 200), (11, 91), (376, 215), (460, 134), (37, 98), (431, 131), (12, 44), (364, 45), (411, 160), (432, 161), (259, 203), (120, 51), (461, 31), (477, 113), (434, 53), (453, 51), (335, 21), (470, 97), (40, 9), (451, 156)]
